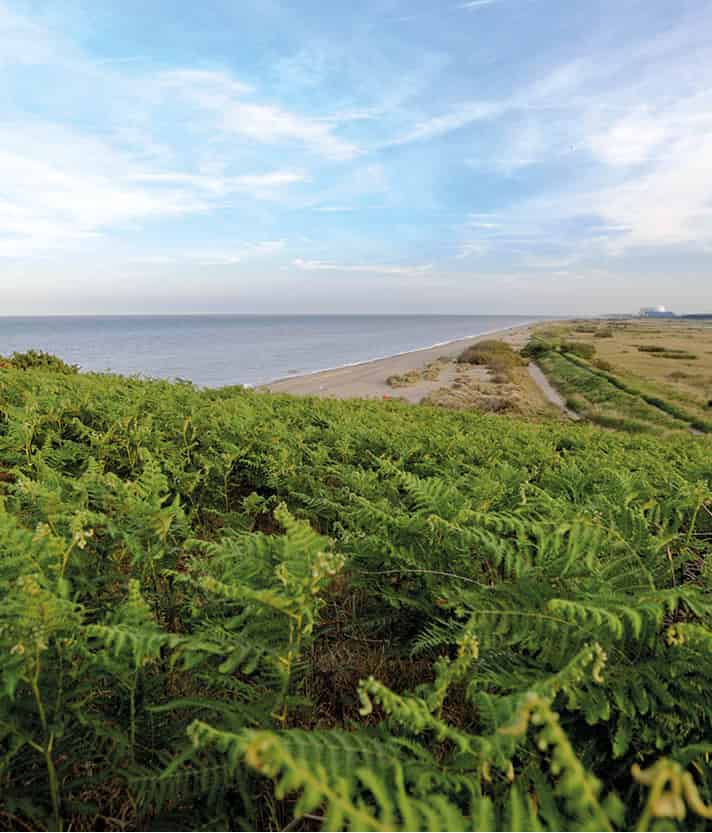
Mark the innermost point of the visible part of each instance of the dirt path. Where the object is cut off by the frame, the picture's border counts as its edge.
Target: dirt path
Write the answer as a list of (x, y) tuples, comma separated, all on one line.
[(552, 395)]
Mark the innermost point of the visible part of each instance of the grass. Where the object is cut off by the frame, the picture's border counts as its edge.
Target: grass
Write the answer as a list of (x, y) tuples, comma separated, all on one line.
[(498, 356), (599, 398), (637, 356), (430, 373)]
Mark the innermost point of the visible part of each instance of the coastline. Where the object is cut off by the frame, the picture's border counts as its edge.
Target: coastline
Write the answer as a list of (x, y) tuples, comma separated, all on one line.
[(367, 379)]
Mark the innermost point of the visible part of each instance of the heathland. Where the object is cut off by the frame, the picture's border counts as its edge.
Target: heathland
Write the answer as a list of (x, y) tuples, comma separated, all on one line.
[(227, 609)]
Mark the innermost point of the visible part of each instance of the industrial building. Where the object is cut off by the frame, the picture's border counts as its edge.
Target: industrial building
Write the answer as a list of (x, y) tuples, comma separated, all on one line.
[(656, 312)]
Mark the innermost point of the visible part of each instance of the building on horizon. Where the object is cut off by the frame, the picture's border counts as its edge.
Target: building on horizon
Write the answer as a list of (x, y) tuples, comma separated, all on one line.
[(656, 312)]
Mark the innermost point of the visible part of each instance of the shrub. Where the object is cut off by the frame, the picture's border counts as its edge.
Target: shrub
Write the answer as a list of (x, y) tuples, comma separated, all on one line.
[(401, 380), (39, 360), (579, 348), (602, 364), (681, 355), (604, 333), (496, 355), (537, 347)]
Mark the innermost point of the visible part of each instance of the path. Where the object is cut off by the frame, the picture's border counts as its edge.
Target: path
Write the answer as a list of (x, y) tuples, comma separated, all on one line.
[(552, 395)]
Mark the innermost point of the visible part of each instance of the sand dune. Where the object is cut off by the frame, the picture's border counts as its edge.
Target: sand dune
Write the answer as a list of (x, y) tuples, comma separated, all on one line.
[(368, 379)]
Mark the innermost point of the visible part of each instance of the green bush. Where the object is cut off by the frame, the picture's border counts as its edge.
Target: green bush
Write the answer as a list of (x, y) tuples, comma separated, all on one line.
[(579, 348), (498, 356), (39, 360), (537, 347)]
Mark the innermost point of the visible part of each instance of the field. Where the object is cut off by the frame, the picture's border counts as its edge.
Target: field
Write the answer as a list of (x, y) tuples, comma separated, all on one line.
[(232, 610), (653, 376)]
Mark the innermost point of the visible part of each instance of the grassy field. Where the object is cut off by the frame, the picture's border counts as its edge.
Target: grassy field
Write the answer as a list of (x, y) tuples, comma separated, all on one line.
[(240, 611), (641, 375)]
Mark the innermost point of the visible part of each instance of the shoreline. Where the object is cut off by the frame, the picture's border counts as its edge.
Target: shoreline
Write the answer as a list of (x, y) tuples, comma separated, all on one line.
[(367, 379), (388, 356)]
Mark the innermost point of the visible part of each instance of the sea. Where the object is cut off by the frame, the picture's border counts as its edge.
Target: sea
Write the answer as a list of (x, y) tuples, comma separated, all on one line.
[(219, 350)]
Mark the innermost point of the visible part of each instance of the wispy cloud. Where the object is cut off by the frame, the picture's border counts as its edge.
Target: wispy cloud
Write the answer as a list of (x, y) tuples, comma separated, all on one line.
[(224, 98), (261, 186), (471, 249), (216, 257), (60, 188), (378, 269), (466, 114), (478, 4)]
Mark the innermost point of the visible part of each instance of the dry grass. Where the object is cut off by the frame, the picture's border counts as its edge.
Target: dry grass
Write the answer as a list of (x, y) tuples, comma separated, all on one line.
[(431, 372), (498, 356), (518, 395), (676, 359)]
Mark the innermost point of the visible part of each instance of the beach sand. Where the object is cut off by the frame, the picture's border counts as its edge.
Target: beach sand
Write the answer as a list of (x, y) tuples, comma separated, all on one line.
[(367, 380)]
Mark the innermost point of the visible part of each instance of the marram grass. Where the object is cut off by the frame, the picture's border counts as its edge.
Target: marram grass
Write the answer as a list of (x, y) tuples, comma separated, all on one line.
[(225, 610)]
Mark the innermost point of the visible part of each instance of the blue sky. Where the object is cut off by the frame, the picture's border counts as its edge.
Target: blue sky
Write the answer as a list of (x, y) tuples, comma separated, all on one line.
[(491, 156)]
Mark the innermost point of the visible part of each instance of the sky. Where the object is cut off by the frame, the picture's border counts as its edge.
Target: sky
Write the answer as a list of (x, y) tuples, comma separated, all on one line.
[(382, 156)]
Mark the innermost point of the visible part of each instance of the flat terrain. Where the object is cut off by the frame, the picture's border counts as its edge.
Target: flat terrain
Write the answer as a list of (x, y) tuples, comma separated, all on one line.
[(633, 374), (687, 378)]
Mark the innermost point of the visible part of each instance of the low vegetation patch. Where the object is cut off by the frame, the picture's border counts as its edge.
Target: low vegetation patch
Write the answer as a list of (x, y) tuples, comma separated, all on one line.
[(666, 352), (496, 355), (579, 348), (680, 355), (430, 373)]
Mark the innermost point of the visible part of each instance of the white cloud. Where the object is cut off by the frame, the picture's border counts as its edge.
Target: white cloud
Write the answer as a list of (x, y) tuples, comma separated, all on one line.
[(630, 140), (634, 128), (217, 257), (472, 248), (335, 209), (378, 269), (52, 199), (61, 188), (478, 4), (223, 97), (465, 114), (211, 87), (23, 41), (259, 185)]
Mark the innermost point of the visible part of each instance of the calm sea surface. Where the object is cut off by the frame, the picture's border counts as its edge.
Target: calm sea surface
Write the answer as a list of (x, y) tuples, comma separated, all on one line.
[(214, 350)]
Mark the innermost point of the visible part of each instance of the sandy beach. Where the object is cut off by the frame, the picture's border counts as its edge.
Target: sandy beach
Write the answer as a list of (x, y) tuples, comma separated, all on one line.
[(367, 380)]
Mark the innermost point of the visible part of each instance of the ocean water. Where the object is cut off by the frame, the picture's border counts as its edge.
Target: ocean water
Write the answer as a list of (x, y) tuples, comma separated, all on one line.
[(216, 350)]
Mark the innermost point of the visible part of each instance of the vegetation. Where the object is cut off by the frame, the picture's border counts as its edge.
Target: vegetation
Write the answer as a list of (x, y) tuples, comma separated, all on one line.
[(666, 352), (578, 348), (229, 610), (38, 360), (498, 356), (678, 369), (618, 382), (429, 373)]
